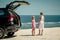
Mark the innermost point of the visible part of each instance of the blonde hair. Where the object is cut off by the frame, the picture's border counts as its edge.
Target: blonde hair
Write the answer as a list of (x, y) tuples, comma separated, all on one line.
[(33, 17)]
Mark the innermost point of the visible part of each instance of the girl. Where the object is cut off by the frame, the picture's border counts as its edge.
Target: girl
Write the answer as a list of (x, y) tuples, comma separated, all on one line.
[(33, 25), (41, 23)]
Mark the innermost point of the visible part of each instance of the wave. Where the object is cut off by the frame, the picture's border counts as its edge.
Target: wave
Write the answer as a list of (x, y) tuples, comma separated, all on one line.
[(51, 22), (26, 23), (58, 22), (45, 23)]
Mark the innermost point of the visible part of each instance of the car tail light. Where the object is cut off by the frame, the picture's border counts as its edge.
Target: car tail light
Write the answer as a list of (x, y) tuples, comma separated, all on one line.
[(11, 17)]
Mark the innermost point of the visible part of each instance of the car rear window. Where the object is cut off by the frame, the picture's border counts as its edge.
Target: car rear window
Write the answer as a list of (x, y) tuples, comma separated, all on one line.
[(1, 12)]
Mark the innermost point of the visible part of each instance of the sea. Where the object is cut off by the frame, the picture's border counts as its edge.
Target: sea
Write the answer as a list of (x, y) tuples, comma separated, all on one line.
[(50, 21)]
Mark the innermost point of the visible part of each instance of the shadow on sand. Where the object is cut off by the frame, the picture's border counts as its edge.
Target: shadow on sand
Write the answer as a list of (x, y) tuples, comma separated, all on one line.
[(31, 35), (25, 35), (10, 37), (7, 37)]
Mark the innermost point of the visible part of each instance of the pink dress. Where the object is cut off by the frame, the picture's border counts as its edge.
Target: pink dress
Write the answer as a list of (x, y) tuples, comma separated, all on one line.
[(33, 24)]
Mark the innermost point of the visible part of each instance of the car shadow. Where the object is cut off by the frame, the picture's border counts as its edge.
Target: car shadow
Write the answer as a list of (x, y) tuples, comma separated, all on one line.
[(7, 37)]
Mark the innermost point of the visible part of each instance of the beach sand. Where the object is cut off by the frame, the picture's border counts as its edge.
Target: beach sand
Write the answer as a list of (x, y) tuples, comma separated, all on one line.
[(25, 34)]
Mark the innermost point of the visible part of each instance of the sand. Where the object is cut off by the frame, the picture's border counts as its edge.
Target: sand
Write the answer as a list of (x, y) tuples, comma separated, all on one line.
[(25, 34)]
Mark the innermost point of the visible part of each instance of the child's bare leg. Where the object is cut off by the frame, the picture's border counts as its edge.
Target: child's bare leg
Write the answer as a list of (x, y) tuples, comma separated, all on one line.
[(42, 32), (32, 32), (39, 31)]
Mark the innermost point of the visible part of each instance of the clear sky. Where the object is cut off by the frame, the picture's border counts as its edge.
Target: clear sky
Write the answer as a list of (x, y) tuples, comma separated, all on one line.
[(48, 7)]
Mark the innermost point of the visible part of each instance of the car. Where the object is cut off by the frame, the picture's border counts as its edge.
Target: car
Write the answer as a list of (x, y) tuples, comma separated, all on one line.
[(10, 21)]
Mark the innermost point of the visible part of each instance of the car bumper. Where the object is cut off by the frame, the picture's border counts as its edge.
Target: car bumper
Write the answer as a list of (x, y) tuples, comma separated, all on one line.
[(12, 29)]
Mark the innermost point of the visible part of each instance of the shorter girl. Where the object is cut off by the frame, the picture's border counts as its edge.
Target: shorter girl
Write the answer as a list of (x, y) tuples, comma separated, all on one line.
[(33, 25)]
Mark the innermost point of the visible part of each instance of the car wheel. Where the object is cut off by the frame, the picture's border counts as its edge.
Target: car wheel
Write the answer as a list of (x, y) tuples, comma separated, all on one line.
[(1, 33), (10, 34)]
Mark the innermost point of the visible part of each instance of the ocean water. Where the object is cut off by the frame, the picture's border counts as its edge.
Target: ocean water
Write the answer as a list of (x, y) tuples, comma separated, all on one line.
[(50, 21)]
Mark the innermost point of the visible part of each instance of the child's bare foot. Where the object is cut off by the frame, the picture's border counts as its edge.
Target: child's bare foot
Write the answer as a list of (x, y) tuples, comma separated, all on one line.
[(33, 35), (38, 34), (41, 34)]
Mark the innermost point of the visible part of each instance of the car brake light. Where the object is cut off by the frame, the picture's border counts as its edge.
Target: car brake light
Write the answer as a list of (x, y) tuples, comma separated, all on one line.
[(11, 17)]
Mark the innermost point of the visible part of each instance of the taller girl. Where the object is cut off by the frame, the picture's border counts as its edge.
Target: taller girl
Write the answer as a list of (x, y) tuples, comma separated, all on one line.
[(41, 23)]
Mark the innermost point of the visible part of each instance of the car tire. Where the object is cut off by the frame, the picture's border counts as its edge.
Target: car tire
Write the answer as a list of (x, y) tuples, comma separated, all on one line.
[(10, 34), (1, 33)]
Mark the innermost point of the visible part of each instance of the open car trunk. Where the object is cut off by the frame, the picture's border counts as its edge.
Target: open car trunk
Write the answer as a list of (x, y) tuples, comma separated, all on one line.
[(4, 14)]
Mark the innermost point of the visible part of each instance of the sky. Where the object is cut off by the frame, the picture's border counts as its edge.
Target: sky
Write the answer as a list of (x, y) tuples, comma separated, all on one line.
[(48, 7)]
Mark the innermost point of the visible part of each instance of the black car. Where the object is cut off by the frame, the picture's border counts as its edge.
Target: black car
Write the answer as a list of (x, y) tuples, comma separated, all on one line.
[(10, 21)]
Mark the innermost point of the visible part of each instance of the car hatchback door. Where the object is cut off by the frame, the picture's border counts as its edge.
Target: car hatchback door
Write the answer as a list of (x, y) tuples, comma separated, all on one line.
[(13, 5)]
